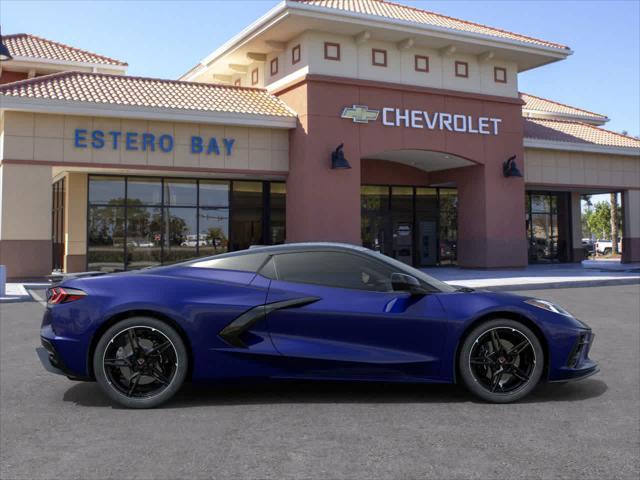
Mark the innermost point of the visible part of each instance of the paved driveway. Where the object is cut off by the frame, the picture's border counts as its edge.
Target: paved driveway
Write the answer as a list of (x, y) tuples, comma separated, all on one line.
[(53, 428)]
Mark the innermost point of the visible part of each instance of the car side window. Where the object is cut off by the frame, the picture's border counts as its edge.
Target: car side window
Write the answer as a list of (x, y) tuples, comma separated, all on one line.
[(333, 269)]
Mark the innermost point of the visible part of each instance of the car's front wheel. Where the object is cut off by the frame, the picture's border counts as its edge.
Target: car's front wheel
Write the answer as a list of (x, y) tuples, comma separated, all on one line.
[(501, 361), (140, 362)]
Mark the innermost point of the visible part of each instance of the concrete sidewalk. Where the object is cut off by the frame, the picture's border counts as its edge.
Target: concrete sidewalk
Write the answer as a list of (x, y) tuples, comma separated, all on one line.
[(534, 276)]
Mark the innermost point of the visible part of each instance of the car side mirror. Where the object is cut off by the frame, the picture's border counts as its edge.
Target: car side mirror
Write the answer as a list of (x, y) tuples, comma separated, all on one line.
[(401, 282)]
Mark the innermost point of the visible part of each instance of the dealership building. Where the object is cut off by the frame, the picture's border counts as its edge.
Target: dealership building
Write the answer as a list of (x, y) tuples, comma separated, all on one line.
[(365, 122)]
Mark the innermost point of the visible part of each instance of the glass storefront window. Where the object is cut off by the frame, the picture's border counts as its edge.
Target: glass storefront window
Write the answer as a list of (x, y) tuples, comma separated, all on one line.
[(448, 229), (106, 238), (214, 230), (106, 190), (181, 241), (180, 193), (136, 222), (214, 193), (277, 216), (144, 237), (144, 191)]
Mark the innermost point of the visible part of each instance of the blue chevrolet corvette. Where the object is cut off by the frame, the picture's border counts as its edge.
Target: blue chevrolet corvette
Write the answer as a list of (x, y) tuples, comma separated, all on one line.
[(303, 311)]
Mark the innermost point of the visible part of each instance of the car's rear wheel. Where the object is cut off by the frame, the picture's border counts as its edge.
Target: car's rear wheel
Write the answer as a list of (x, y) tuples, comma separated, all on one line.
[(501, 361), (140, 362)]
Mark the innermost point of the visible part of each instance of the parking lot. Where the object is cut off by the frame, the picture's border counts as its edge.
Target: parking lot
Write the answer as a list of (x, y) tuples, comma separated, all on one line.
[(54, 428)]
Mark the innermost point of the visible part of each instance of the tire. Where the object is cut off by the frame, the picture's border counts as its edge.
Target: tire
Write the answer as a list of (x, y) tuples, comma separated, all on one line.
[(140, 362), (607, 251), (498, 375)]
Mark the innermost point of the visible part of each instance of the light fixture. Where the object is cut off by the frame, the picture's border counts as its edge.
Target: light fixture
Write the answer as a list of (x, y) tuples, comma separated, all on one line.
[(4, 51), (510, 169), (338, 162)]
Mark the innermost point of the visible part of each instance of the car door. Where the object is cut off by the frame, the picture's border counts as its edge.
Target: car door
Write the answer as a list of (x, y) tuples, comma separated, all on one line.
[(350, 323)]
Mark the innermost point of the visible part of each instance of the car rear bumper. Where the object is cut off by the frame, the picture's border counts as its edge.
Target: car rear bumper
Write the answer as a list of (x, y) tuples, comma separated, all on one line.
[(57, 355)]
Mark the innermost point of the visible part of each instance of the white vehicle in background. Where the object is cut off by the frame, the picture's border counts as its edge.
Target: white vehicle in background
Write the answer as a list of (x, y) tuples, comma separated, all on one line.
[(193, 240), (605, 247)]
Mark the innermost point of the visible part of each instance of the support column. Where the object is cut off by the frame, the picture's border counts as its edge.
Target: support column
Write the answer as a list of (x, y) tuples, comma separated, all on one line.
[(75, 221), (631, 239), (491, 219), (577, 252), (322, 204), (25, 220)]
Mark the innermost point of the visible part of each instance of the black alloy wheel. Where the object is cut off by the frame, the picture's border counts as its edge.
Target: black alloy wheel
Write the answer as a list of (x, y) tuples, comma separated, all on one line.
[(501, 361), (140, 362)]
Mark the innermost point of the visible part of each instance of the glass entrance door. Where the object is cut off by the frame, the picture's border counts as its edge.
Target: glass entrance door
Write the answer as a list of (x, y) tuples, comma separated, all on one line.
[(416, 225), (548, 229)]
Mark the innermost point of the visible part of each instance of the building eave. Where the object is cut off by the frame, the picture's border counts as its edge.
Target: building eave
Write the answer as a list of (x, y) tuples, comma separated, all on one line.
[(529, 113), (287, 7), (48, 62), (66, 107)]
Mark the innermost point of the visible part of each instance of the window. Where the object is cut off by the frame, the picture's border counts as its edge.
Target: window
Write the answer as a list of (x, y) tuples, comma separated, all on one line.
[(136, 222), (274, 66), (247, 215), (421, 63), (331, 51), (500, 74), (334, 269), (238, 82), (295, 54), (254, 76), (462, 69), (245, 262), (378, 57)]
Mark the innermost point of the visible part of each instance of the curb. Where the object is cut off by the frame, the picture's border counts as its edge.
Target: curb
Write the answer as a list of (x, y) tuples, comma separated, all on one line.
[(547, 286)]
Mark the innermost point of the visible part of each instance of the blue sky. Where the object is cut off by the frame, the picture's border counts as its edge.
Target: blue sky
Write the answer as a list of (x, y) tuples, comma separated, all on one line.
[(166, 38)]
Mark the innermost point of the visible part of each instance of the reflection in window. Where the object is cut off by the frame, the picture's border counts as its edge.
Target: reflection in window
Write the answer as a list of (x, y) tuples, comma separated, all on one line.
[(180, 234), (170, 220), (144, 191), (144, 235), (246, 215), (214, 231), (334, 269), (277, 217), (214, 193), (180, 193), (105, 243), (106, 190)]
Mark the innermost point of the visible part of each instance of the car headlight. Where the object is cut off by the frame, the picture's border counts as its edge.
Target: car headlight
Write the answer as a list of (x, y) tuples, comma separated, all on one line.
[(551, 307)]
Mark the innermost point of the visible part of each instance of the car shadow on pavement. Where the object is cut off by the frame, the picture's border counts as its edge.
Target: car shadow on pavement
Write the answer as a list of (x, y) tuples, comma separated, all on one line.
[(281, 392)]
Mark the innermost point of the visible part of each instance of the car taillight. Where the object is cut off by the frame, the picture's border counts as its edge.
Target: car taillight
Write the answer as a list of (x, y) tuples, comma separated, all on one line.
[(58, 295)]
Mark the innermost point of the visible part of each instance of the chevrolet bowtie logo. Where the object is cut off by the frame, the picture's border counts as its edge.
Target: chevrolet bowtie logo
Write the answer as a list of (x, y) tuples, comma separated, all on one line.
[(360, 114)]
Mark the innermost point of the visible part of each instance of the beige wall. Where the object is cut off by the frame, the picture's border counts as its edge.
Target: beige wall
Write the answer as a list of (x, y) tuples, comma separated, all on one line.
[(632, 213), (50, 138), (355, 62), (75, 214), (577, 169), (25, 202)]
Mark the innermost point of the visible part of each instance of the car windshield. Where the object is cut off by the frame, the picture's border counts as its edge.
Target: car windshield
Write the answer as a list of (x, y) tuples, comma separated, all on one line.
[(423, 277)]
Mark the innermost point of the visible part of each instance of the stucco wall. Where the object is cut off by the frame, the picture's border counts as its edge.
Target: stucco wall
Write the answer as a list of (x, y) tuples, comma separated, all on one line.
[(50, 138), (553, 167)]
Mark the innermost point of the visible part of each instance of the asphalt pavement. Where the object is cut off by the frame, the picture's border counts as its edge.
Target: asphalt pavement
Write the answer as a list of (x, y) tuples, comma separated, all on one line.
[(51, 427)]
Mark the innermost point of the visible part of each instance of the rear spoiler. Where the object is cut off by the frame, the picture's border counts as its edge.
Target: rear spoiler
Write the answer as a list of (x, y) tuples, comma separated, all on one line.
[(56, 278)]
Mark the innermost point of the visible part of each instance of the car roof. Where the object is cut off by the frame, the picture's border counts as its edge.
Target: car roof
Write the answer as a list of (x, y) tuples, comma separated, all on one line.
[(301, 246)]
